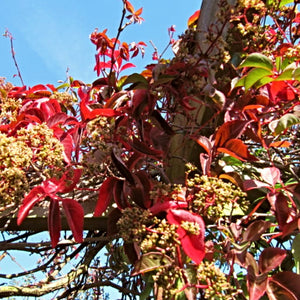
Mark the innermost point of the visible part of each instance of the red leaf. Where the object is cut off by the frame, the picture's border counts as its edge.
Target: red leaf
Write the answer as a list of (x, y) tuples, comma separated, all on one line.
[(118, 195), (282, 210), (87, 113), (54, 222), (280, 91), (75, 215), (282, 144), (205, 161), (68, 181), (105, 195), (192, 244), (60, 118), (237, 149), (270, 259), (67, 142), (127, 66), (35, 195), (166, 205)]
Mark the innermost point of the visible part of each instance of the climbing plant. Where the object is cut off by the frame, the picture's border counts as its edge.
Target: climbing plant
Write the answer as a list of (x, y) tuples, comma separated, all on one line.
[(190, 168)]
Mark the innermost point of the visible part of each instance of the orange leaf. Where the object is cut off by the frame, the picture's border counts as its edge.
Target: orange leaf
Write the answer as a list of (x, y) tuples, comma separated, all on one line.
[(237, 149), (230, 130), (129, 7), (193, 18), (280, 144)]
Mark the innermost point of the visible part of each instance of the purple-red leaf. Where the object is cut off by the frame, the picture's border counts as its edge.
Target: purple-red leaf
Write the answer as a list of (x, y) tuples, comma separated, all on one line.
[(122, 167), (255, 230), (75, 217), (144, 148), (192, 244), (284, 285), (270, 259), (282, 211), (54, 222), (257, 284), (69, 180), (254, 184), (105, 195)]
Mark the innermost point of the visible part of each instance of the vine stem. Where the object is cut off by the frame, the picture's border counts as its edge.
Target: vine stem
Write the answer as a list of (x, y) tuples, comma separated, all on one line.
[(120, 29)]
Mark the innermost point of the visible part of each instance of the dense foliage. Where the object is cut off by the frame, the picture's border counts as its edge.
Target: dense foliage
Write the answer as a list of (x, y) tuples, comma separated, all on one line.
[(192, 164)]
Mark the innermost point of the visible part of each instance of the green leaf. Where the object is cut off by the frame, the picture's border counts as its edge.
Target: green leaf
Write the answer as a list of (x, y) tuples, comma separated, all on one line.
[(263, 81), (137, 80), (286, 122), (232, 161), (179, 285), (254, 76), (63, 86), (148, 288), (164, 78), (270, 3), (285, 2), (257, 60), (296, 74), (287, 73), (229, 210), (296, 252), (150, 262)]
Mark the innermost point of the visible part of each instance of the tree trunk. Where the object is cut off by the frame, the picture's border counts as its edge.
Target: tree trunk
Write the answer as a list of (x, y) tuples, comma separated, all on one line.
[(183, 149)]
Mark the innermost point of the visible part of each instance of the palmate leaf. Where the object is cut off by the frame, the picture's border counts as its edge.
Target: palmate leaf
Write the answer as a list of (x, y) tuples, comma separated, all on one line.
[(230, 130)]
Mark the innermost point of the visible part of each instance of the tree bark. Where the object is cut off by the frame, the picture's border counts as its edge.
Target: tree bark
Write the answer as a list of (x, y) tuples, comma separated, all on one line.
[(182, 149)]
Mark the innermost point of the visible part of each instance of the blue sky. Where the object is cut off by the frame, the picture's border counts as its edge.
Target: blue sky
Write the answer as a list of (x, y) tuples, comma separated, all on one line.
[(53, 36)]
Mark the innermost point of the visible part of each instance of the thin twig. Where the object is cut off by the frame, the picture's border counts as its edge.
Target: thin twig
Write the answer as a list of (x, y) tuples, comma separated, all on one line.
[(9, 35)]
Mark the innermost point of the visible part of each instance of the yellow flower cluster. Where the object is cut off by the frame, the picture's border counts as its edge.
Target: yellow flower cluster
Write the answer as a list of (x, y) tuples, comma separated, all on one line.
[(47, 150), (218, 286), (34, 147), (15, 156)]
